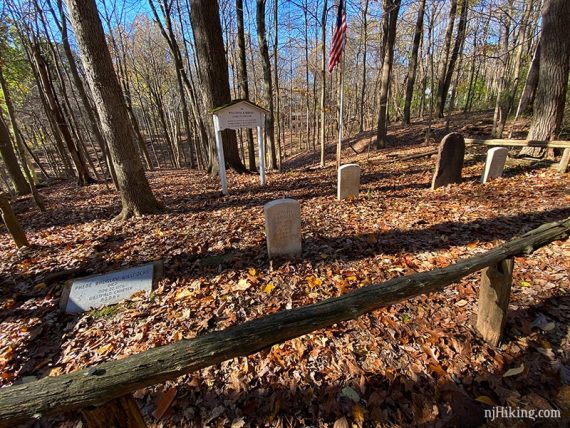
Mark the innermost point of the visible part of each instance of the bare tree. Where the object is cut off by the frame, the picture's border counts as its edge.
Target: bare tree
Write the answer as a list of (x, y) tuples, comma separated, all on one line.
[(553, 82), (136, 196)]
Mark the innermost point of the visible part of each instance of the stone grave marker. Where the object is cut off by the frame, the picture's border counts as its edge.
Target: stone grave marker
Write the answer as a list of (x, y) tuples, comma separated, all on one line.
[(108, 289), (283, 227), (496, 158), (348, 181), (449, 161)]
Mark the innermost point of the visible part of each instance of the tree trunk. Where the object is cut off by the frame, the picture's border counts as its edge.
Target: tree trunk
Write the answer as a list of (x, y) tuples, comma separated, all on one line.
[(411, 80), (243, 84), (364, 55), (323, 80), (497, 131), (213, 69), (59, 119), (277, 116), (527, 98), (15, 173), (457, 47), (554, 67), (12, 224), (19, 142), (166, 7), (136, 196), (267, 81), (443, 61), (391, 8)]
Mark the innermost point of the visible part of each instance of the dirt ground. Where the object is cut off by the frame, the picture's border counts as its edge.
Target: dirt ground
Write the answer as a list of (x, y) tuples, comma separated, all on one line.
[(419, 362)]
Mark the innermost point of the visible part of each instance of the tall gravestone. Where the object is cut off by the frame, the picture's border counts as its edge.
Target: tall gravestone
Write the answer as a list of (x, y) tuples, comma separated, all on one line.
[(495, 163), (283, 227), (348, 181), (449, 161)]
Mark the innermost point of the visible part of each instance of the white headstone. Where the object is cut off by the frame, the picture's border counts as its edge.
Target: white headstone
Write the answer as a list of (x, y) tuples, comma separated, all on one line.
[(348, 181), (283, 227), (496, 158), (108, 289)]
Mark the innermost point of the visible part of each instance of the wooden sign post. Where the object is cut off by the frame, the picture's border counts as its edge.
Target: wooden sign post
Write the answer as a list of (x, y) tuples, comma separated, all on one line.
[(237, 115)]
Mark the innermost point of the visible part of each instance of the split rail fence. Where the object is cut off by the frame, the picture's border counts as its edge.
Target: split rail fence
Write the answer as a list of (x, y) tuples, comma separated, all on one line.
[(555, 144), (103, 393)]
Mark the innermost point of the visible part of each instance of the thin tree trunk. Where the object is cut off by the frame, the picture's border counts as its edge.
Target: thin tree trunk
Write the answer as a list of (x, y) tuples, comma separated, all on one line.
[(461, 26), (444, 60), (243, 83), (55, 110), (323, 80), (364, 58), (391, 7), (267, 81)]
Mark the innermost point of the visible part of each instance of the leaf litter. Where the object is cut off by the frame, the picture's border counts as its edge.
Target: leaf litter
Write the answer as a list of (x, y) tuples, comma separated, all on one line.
[(416, 362)]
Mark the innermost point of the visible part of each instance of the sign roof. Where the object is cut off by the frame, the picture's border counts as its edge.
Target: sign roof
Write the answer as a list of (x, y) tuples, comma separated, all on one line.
[(219, 109)]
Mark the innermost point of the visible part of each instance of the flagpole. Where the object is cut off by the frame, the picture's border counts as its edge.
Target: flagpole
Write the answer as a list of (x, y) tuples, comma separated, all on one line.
[(341, 108)]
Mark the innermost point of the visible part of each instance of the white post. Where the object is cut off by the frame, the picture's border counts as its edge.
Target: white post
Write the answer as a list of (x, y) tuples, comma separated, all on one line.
[(261, 142), (221, 159)]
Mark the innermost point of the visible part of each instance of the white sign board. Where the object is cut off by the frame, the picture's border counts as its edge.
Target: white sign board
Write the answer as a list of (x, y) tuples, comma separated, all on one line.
[(108, 289), (240, 115)]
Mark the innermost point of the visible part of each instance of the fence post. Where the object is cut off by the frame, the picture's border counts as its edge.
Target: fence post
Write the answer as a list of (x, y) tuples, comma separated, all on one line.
[(122, 412), (563, 166), (494, 295)]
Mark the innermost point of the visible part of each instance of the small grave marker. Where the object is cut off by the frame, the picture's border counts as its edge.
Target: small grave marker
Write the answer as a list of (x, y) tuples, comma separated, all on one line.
[(495, 163), (107, 289), (348, 181), (449, 161), (283, 227)]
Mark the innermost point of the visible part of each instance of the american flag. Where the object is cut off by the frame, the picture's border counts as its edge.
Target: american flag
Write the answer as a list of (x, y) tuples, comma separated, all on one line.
[(338, 37)]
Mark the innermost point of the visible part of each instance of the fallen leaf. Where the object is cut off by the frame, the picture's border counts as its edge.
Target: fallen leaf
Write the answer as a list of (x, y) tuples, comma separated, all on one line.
[(268, 288), (164, 402), (183, 294), (341, 423), (350, 393), (242, 285), (358, 414), (238, 423), (486, 400), (514, 371), (525, 284), (313, 281), (104, 349), (40, 286)]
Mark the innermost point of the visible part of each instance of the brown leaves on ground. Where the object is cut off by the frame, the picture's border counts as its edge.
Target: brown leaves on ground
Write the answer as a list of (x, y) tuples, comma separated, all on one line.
[(416, 362)]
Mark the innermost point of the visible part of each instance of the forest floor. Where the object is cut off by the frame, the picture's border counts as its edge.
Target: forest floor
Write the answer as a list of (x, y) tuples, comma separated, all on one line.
[(419, 362)]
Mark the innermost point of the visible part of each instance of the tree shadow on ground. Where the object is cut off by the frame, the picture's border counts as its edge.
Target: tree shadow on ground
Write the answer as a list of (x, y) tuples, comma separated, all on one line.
[(304, 394), (416, 239)]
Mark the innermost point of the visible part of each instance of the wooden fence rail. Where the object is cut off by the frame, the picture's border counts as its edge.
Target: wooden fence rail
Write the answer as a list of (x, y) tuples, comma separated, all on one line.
[(554, 144), (116, 380)]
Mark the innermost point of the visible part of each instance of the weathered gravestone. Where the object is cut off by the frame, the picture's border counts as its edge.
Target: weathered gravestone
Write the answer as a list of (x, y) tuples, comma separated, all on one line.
[(348, 181), (108, 289), (283, 227), (449, 161), (496, 158)]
